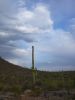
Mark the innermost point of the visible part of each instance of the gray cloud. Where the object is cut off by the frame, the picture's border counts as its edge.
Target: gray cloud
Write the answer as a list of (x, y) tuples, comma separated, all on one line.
[(21, 27)]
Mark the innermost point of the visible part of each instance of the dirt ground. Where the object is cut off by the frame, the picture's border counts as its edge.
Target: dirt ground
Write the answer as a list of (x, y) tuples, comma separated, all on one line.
[(52, 95), (48, 95)]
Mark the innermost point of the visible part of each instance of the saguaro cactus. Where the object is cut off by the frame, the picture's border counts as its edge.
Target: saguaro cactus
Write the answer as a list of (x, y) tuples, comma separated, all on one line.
[(33, 68), (33, 57)]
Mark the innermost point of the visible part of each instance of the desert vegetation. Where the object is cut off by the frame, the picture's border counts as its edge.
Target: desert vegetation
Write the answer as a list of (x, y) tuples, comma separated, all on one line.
[(17, 79)]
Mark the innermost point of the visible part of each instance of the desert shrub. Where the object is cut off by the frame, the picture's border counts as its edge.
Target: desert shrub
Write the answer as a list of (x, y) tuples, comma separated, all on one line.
[(73, 97), (27, 85), (51, 85), (17, 89), (1, 87), (36, 91), (69, 84), (60, 84)]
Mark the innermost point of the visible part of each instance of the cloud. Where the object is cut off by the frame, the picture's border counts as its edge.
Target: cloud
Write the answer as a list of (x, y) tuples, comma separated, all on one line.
[(72, 26), (3, 34), (21, 52), (21, 28), (26, 22), (35, 21)]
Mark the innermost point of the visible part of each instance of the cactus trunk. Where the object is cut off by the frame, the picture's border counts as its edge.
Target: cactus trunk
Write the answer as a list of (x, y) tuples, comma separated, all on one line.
[(33, 68)]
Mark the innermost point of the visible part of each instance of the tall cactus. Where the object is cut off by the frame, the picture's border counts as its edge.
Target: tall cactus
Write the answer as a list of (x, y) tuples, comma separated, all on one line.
[(33, 68)]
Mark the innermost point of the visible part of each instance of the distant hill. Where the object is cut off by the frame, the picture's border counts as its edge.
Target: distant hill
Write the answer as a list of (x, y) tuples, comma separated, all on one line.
[(16, 79), (13, 76), (6, 64)]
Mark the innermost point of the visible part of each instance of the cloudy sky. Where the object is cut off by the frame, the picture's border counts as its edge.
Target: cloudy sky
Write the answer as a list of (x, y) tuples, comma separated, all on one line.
[(49, 25)]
